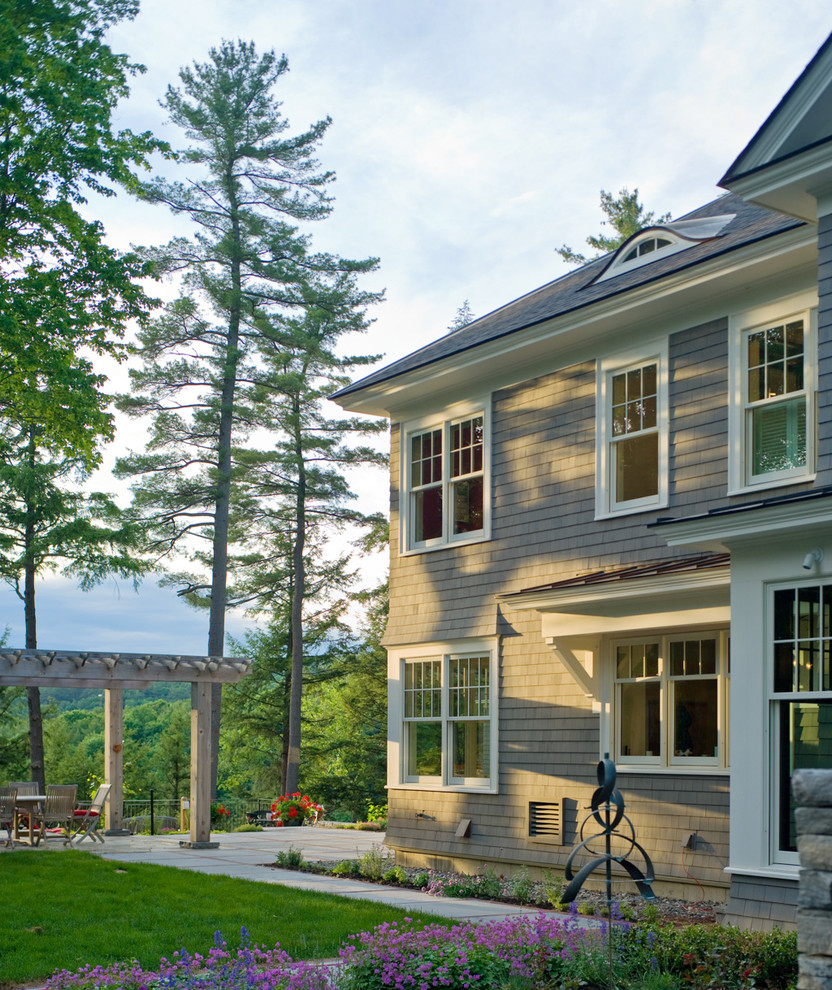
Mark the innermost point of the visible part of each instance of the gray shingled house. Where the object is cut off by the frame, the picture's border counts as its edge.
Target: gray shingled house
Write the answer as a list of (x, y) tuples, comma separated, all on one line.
[(611, 532)]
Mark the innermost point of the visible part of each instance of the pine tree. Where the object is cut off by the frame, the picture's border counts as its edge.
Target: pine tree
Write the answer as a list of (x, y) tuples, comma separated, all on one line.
[(247, 270), (625, 215)]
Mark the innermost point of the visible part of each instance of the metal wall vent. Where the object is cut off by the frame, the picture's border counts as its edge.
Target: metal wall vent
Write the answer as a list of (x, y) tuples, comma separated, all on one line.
[(546, 821)]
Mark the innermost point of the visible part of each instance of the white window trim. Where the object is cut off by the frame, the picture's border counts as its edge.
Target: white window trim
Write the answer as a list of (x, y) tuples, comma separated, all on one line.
[(778, 856), (610, 707), (799, 306), (445, 420), (605, 507), (620, 266), (396, 747)]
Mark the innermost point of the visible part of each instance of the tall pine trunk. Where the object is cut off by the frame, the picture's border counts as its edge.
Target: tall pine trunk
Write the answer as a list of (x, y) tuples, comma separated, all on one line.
[(36, 756), (298, 595), (219, 562)]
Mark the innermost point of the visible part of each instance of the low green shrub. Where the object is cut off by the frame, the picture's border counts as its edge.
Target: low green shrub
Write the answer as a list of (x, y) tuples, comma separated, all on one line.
[(290, 859), (346, 868), (371, 863)]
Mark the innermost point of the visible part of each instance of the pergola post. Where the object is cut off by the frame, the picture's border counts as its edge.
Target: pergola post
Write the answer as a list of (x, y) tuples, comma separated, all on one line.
[(114, 758), (200, 837)]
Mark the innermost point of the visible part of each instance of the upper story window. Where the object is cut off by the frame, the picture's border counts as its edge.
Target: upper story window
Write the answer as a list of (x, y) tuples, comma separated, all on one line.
[(773, 364), (633, 435), (647, 246), (446, 478), (447, 732)]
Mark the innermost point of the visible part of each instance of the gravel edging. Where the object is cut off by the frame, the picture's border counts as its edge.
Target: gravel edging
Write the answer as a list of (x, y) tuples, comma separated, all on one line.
[(668, 910)]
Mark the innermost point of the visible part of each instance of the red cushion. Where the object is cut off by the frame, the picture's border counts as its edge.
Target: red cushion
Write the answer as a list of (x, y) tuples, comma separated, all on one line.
[(83, 812)]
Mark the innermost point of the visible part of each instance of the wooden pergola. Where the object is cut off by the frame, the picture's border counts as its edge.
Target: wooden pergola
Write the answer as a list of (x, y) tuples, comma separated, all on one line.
[(117, 672)]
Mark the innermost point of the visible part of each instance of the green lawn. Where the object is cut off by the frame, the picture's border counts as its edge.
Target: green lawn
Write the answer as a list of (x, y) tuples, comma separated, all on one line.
[(62, 909)]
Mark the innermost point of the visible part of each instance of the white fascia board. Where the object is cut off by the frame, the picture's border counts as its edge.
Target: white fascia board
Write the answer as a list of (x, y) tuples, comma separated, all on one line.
[(769, 141), (770, 522), (606, 598), (558, 626), (575, 336)]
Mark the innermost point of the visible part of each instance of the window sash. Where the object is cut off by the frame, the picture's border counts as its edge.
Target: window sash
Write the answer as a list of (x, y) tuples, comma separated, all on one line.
[(670, 700), (446, 483), (447, 720)]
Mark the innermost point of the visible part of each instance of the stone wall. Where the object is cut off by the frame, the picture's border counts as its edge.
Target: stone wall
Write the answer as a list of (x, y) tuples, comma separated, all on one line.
[(812, 790)]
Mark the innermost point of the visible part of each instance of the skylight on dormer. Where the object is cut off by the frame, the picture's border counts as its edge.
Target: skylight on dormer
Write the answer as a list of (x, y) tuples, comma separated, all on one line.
[(654, 243)]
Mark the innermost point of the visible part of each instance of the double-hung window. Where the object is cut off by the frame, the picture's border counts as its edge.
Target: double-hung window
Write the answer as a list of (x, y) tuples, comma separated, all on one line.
[(448, 723), (773, 359), (633, 434), (671, 700), (445, 466), (801, 698)]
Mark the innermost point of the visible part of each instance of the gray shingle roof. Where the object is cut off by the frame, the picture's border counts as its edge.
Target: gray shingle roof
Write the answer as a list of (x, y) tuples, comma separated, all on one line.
[(578, 289)]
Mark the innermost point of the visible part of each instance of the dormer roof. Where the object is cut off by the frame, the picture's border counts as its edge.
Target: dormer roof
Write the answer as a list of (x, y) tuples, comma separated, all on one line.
[(662, 240)]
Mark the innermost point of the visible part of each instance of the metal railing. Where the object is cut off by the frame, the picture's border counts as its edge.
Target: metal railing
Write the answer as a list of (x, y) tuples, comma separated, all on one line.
[(154, 814)]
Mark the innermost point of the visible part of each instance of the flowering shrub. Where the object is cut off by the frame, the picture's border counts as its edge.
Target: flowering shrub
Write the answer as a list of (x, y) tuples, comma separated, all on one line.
[(524, 953), (251, 967), (219, 814), (295, 807)]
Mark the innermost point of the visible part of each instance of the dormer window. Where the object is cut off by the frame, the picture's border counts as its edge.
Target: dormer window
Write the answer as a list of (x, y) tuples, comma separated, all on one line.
[(656, 243), (646, 247)]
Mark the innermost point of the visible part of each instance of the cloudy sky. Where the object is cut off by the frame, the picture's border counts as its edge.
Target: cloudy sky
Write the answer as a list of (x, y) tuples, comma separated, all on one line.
[(470, 139)]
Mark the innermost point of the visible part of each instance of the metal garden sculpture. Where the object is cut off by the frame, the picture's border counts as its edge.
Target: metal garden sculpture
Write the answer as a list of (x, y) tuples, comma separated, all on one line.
[(607, 811)]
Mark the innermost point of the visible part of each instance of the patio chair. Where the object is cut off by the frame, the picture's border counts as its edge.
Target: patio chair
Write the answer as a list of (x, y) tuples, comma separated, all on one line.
[(7, 799), (88, 819), (57, 813), (25, 786)]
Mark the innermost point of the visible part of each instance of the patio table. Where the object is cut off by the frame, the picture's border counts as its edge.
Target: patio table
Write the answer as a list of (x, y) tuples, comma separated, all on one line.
[(24, 807)]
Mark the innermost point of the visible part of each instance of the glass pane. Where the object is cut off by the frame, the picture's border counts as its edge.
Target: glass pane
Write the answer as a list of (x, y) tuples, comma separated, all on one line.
[(634, 384), (695, 718), (779, 436), (805, 743), (756, 349), (784, 667), (469, 741), (622, 661), (708, 656), (651, 660), (649, 380), (794, 375), (756, 384), (794, 338), (619, 393), (636, 467), (648, 418), (784, 614), (677, 659), (467, 499), (424, 749), (808, 612), (640, 723), (619, 420), (808, 673), (775, 383), (427, 514), (775, 345)]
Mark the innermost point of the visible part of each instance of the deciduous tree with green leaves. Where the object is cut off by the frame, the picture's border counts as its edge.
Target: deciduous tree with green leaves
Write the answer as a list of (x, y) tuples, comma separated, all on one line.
[(65, 295), (248, 272), (625, 215)]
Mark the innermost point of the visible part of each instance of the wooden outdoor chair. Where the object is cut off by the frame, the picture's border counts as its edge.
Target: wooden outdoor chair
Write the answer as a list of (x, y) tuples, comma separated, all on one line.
[(88, 819), (25, 786), (57, 813), (7, 799)]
